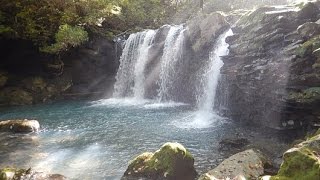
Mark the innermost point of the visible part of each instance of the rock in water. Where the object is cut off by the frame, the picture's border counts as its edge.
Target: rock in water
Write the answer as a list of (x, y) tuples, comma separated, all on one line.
[(19, 126), (248, 164), (301, 161), (172, 161), (13, 174)]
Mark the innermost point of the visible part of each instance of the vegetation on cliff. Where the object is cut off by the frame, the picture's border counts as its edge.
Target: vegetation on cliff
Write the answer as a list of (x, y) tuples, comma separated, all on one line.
[(57, 25)]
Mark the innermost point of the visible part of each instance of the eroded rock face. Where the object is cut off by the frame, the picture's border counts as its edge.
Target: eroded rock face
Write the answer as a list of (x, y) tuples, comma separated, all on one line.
[(203, 29), (172, 161), (19, 126), (271, 65), (301, 161), (15, 96), (248, 164), (13, 173), (35, 89)]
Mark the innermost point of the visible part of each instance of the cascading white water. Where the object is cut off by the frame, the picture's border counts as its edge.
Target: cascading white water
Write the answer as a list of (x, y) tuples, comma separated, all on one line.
[(139, 74), (172, 53), (130, 75), (211, 76), (205, 114)]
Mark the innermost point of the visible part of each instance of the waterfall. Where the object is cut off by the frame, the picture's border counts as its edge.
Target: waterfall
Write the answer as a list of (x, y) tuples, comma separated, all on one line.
[(210, 78), (130, 75), (139, 76), (212, 74), (172, 53)]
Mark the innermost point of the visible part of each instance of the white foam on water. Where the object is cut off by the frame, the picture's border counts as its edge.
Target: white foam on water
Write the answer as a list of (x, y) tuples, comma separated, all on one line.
[(198, 120), (119, 102), (136, 102), (164, 105)]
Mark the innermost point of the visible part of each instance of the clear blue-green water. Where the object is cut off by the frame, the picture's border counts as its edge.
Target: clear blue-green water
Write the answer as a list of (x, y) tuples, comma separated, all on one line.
[(96, 140)]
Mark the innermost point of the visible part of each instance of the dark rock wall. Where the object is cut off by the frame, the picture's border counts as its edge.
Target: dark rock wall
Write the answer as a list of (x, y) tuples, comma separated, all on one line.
[(265, 73), (29, 77)]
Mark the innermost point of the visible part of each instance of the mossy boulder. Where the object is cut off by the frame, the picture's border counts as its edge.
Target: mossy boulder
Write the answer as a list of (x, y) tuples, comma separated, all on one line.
[(15, 96), (310, 95), (308, 47), (248, 164), (17, 174), (19, 126), (301, 162), (172, 161), (309, 29)]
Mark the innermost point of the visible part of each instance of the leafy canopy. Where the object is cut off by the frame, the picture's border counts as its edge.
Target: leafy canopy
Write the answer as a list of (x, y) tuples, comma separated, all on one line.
[(58, 25)]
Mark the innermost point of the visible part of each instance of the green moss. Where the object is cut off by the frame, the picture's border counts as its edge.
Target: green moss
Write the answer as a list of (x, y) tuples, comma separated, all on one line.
[(168, 157), (299, 164), (309, 95), (13, 174), (308, 47), (169, 161)]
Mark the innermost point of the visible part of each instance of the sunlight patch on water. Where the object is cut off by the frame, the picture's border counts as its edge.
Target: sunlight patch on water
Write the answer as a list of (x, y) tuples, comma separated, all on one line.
[(198, 120), (139, 103)]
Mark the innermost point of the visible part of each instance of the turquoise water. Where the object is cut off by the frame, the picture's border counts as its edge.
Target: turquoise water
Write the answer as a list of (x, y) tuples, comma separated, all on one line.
[(96, 140)]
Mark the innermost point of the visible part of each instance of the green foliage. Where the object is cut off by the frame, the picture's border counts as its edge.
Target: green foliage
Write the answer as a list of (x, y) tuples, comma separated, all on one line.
[(67, 36), (57, 25)]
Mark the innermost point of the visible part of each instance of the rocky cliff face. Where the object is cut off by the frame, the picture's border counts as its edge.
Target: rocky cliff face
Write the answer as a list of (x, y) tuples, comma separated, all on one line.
[(272, 73)]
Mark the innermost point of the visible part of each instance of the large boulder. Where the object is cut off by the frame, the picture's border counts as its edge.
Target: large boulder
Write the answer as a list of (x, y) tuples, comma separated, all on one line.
[(248, 164), (13, 174), (204, 29), (172, 161), (19, 126), (301, 161)]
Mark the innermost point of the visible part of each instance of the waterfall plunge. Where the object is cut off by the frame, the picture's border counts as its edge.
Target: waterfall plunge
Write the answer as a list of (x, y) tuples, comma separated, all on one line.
[(205, 115)]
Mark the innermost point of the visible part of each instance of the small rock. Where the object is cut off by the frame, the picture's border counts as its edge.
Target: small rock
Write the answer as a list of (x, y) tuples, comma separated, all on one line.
[(19, 126), (236, 143)]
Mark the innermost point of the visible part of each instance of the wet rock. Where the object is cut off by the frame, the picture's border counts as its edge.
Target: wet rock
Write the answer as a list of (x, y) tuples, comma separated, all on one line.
[(15, 96), (19, 126), (13, 174), (309, 29), (248, 164), (235, 143), (172, 161), (302, 161)]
